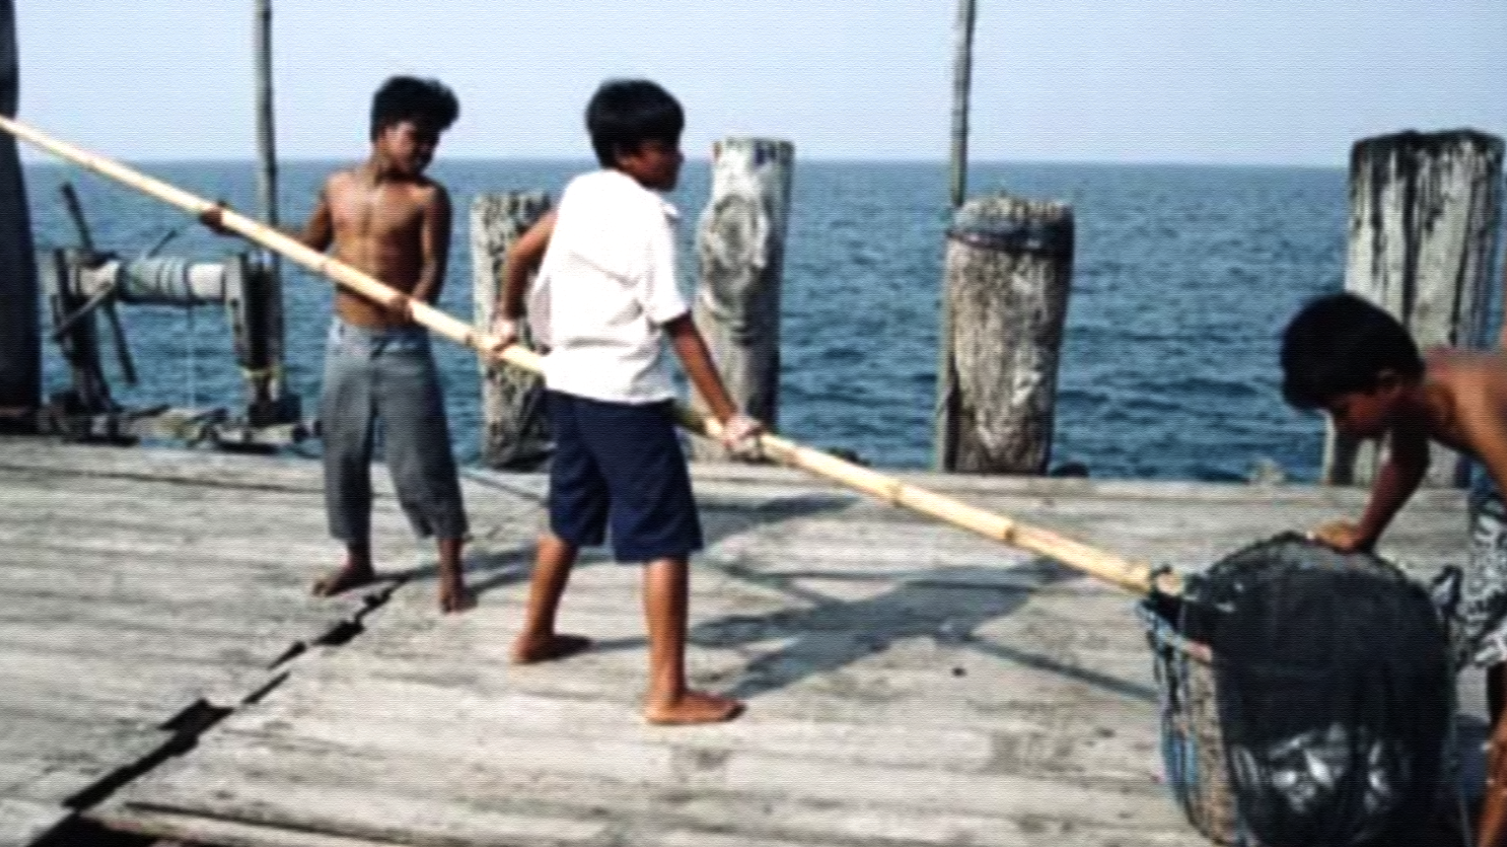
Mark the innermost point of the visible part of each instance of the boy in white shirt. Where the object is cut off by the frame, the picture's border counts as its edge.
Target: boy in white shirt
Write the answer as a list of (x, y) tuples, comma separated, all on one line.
[(604, 302)]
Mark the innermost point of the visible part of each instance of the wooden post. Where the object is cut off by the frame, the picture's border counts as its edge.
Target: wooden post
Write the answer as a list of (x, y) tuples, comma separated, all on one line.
[(514, 432), (1008, 275), (741, 248), (20, 333), (962, 78), (272, 392), (1424, 210)]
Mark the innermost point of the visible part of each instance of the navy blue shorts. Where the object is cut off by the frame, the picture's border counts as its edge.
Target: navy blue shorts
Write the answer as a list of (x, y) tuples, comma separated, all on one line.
[(620, 463)]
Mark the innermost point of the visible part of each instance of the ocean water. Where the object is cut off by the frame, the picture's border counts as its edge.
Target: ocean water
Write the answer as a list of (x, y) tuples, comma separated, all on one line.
[(1183, 278)]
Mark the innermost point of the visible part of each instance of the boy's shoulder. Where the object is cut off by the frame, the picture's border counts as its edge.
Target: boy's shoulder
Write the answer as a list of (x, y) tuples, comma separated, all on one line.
[(1452, 364), (1474, 386), (610, 190)]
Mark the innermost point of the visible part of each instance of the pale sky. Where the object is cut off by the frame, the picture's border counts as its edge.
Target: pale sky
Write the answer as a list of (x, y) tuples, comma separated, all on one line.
[(1243, 81)]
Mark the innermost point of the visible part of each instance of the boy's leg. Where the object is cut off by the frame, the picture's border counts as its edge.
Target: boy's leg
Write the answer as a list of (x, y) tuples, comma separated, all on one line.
[(539, 642), (666, 608), (1491, 829), (577, 518), (654, 520), (347, 426), (419, 457)]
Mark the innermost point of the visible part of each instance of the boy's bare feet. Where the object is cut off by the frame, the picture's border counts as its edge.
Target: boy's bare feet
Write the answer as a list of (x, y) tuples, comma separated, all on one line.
[(530, 649), (352, 574), (693, 707), (454, 596)]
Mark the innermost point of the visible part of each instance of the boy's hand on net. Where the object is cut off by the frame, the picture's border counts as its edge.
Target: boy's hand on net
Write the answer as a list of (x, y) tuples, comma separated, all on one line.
[(1343, 536), (740, 436)]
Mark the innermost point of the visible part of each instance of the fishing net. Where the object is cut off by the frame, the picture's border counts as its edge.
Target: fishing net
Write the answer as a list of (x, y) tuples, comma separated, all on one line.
[(1306, 696)]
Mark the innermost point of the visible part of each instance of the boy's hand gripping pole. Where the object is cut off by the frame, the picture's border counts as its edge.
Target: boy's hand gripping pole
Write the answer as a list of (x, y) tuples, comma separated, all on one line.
[(1133, 576)]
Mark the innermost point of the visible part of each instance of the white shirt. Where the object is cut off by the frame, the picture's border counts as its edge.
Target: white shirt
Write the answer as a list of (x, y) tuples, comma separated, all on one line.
[(605, 288)]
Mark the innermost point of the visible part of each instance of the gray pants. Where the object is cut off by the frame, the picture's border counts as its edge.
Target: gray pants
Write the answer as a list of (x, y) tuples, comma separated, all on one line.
[(386, 375)]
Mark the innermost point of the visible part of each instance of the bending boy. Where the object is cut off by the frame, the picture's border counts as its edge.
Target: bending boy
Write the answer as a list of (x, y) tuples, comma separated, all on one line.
[(605, 300), (1358, 363)]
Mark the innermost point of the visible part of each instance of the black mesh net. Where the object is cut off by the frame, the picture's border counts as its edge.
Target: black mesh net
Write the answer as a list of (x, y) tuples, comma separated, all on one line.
[(1334, 691)]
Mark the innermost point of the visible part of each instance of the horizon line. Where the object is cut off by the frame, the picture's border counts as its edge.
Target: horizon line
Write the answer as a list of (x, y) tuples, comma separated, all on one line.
[(34, 158)]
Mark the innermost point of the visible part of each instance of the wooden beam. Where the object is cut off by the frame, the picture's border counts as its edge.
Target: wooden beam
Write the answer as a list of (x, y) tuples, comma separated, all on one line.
[(742, 250), (514, 432), (20, 332), (1009, 272)]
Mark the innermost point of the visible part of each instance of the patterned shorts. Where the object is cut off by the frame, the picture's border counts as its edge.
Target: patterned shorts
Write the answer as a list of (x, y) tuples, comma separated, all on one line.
[(1479, 630)]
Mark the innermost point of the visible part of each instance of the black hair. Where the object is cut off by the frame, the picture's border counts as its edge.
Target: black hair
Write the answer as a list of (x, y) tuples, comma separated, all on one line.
[(624, 113), (427, 102), (1339, 344)]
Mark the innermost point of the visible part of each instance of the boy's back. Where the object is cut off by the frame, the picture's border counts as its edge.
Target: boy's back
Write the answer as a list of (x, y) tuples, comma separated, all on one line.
[(605, 288), (1471, 415)]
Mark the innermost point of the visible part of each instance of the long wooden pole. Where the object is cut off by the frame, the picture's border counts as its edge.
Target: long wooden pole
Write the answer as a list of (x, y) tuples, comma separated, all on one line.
[(1133, 576)]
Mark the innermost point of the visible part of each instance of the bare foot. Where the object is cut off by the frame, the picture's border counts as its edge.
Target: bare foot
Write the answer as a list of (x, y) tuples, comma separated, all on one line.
[(455, 597), (351, 575), (531, 649), (693, 707)]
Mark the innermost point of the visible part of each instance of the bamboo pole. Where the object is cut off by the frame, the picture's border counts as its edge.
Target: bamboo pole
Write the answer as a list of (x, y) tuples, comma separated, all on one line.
[(1133, 576)]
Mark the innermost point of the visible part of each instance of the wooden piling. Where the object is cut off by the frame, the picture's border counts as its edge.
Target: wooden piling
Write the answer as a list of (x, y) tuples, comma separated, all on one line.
[(20, 332), (1424, 210), (514, 432), (741, 248), (266, 133), (1008, 275), (271, 391), (962, 80)]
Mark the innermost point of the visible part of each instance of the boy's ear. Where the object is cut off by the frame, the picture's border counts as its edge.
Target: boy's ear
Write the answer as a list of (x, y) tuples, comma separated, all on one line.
[(622, 150), (1387, 381)]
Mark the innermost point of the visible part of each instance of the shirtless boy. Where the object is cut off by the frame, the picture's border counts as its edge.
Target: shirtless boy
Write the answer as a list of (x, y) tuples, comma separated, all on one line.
[(1352, 359), (386, 218)]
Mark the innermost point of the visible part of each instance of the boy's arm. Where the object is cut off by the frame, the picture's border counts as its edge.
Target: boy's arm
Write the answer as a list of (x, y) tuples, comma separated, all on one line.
[(318, 232), (690, 347), (434, 247), (1407, 462), (523, 259)]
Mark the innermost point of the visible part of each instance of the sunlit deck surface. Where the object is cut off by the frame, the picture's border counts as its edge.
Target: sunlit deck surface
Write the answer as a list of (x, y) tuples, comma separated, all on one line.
[(163, 669)]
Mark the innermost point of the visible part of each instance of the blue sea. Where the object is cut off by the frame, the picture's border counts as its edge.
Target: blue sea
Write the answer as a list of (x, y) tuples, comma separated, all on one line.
[(1182, 281)]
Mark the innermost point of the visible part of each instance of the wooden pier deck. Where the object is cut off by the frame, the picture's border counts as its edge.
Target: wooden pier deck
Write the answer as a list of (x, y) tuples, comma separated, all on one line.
[(163, 670)]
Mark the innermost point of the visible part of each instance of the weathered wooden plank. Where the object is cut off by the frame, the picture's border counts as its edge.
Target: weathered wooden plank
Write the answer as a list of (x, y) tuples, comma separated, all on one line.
[(908, 684), (24, 821), (277, 783), (191, 828)]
